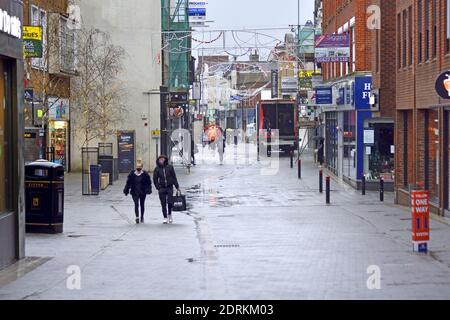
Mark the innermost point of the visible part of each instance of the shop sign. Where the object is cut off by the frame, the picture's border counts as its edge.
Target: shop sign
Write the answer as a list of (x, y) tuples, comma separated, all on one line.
[(443, 85), (324, 95), (11, 25), (420, 211), (332, 48), (32, 41), (29, 135), (289, 85), (363, 92)]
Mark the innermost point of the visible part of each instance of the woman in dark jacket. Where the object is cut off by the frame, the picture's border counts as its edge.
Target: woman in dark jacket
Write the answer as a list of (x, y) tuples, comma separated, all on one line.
[(165, 178), (139, 185)]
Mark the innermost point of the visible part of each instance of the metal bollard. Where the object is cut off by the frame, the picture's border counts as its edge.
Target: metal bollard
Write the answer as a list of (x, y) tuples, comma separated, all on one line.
[(292, 159), (382, 190), (299, 168), (269, 146), (363, 185), (321, 181), (328, 182)]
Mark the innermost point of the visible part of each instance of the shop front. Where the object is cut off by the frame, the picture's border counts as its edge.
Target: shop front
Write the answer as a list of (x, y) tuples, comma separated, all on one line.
[(58, 136), (357, 145), (11, 134)]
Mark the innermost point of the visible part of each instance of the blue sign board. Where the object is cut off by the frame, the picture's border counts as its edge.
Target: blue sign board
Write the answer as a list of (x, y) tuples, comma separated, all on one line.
[(341, 98), (362, 92), (194, 12), (324, 95)]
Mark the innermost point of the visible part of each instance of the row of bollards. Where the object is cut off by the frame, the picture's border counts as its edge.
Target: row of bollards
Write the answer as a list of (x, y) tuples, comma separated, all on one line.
[(328, 181)]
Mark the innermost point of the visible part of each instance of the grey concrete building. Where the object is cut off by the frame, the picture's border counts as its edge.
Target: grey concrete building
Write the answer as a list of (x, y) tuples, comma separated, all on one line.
[(135, 25)]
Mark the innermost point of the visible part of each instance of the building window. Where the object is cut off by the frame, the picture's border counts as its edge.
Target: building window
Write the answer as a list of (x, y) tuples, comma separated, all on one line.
[(39, 18), (377, 51), (447, 41), (67, 46), (427, 29), (420, 29), (405, 148), (399, 42), (353, 49), (405, 37), (434, 46), (410, 37)]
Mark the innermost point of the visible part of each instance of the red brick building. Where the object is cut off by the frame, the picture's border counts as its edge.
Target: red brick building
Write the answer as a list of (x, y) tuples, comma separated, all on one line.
[(422, 131), (347, 122)]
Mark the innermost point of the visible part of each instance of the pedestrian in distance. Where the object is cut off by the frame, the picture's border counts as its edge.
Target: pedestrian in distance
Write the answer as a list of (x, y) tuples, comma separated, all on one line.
[(139, 185), (221, 143), (165, 179)]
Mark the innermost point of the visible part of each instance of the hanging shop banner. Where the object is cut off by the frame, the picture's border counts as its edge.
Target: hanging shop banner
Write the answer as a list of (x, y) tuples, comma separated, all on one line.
[(332, 48), (126, 150), (274, 81), (443, 85), (32, 41), (420, 210), (363, 92)]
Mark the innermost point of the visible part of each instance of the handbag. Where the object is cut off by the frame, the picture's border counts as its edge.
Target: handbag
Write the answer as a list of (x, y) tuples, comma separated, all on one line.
[(178, 202)]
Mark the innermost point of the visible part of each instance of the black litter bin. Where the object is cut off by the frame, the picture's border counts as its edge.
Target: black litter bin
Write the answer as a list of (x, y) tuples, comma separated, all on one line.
[(44, 194)]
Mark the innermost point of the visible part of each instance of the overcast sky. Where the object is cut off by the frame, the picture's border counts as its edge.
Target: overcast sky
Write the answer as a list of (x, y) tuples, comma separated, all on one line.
[(248, 14), (257, 13)]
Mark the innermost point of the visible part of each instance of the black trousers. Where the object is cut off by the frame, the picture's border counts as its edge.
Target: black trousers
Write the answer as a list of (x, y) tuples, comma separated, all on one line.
[(139, 199), (164, 195)]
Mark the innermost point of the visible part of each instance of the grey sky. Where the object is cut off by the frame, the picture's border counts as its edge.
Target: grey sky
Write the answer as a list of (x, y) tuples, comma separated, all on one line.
[(248, 14), (258, 13)]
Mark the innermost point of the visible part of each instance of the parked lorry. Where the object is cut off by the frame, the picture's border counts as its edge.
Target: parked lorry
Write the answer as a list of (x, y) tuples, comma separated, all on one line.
[(281, 115)]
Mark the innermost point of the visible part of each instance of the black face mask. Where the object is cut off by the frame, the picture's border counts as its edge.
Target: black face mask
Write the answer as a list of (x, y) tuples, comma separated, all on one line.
[(139, 169)]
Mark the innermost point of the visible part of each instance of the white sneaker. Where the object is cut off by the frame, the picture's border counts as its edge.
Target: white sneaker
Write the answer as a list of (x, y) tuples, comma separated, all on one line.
[(165, 221), (170, 219)]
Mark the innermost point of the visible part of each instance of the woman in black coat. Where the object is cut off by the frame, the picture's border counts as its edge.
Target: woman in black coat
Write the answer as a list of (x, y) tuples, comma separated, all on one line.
[(139, 185), (165, 178)]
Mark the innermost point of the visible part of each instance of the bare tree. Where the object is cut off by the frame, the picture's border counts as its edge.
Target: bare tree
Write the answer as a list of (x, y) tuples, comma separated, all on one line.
[(97, 94)]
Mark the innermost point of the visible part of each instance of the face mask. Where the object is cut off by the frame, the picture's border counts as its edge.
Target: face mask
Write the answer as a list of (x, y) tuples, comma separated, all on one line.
[(139, 169), (161, 162)]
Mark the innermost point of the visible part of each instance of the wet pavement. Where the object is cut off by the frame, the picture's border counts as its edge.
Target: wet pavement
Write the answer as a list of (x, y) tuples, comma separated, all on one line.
[(251, 232)]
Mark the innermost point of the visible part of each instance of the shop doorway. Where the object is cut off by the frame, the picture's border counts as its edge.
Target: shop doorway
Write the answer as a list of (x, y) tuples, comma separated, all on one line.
[(59, 140)]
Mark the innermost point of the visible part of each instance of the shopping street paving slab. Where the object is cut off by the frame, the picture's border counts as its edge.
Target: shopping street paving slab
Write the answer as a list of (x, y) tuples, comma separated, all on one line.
[(246, 235)]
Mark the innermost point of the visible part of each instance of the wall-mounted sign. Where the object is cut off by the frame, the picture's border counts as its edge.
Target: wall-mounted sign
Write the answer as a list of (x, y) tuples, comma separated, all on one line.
[(363, 92), (29, 94), (289, 85), (11, 25), (332, 48), (324, 95), (443, 85), (32, 42)]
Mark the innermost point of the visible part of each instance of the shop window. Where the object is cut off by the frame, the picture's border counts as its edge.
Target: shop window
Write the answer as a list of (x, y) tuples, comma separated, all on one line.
[(381, 160), (332, 141), (431, 150), (405, 139), (349, 163)]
